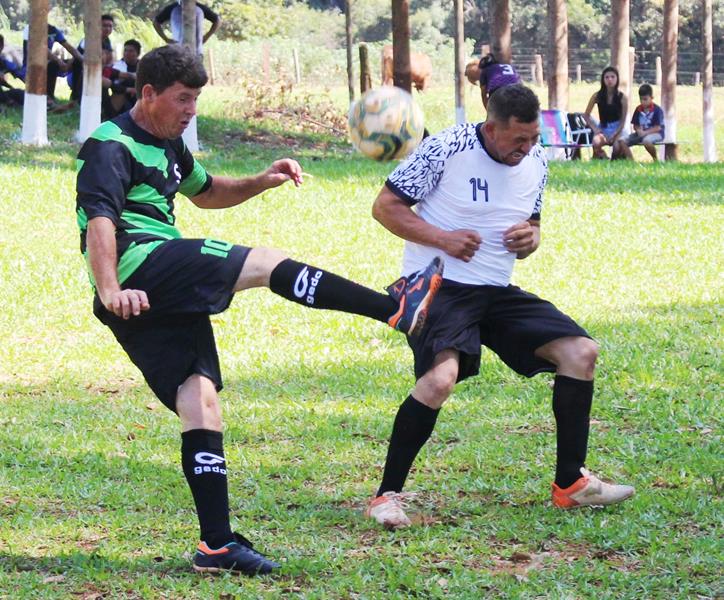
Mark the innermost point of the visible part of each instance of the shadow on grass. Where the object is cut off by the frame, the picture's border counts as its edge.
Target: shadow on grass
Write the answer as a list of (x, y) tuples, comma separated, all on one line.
[(676, 183)]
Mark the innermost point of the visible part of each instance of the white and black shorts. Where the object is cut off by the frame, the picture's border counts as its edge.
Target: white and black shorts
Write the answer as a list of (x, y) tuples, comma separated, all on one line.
[(511, 322), (186, 280)]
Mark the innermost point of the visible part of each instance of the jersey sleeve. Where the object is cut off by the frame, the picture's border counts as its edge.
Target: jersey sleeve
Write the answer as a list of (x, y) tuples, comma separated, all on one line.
[(635, 117), (420, 173), (164, 14), (658, 116), (194, 178), (539, 155), (209, 14), (104, 179)]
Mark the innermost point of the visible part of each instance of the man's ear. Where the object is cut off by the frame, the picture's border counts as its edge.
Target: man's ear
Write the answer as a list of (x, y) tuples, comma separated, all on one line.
[(148, 92)]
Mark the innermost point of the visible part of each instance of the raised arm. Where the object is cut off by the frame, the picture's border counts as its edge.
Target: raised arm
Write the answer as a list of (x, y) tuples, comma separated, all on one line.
[(398, 217), (103, 260), (225, 192)]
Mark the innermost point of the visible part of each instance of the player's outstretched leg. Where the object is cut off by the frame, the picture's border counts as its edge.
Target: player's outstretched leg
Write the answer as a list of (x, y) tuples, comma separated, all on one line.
[(404, 309)]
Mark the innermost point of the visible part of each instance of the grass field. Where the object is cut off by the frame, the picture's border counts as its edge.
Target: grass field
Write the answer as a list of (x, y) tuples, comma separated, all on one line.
[(93, 503)]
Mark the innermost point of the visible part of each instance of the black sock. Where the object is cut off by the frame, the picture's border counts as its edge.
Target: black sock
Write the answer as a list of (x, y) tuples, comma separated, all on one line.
[(413, 426), (316, 288), (572, 400), (202, 458)]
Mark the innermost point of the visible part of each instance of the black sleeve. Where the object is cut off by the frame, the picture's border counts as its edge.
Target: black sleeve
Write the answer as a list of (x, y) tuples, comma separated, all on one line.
[(164, 14), (104, 179), (209, 14)]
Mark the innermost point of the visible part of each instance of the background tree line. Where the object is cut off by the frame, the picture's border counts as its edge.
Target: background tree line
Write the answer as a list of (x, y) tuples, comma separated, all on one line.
[(431, 21)]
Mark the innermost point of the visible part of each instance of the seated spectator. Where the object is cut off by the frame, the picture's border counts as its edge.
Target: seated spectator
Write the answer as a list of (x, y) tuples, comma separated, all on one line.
[(648, 125), (56, 65), (491, 75), (172, 14), (76, 77), (8, 94), (612, 110), (124, 84)]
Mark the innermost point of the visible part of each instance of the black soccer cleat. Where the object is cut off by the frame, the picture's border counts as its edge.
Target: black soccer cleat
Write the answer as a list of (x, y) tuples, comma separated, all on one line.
[(238, 556), (415, 294)]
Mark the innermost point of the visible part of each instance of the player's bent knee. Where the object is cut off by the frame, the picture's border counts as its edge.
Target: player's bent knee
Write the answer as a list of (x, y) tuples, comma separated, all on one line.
[(197, 404), (258, 267), (584, 355)]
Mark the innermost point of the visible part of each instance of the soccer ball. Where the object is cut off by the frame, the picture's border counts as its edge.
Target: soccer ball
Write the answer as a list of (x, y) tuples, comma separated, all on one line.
[(385, 123)]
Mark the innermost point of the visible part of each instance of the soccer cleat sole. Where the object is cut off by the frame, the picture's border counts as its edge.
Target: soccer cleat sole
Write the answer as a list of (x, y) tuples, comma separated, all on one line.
[(420, 316)]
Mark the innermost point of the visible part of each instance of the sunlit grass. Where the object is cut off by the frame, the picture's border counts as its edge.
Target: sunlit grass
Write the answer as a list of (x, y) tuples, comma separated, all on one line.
[(92, 499)]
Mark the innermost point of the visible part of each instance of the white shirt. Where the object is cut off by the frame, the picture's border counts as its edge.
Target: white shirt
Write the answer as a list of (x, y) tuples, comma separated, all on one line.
[(455, 184)]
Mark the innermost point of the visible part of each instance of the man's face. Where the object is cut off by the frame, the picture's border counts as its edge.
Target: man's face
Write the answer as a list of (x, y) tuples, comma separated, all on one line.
[(106, 28), (130, 55), (170, 111), (646, 101), (510, 142)]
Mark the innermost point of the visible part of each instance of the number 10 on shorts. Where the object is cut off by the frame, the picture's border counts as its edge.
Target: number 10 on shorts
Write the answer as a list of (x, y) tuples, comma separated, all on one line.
[(216, 248)]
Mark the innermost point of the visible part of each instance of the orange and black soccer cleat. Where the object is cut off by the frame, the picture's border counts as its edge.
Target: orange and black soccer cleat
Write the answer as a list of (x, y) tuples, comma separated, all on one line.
[(415, 294), (238, 556)]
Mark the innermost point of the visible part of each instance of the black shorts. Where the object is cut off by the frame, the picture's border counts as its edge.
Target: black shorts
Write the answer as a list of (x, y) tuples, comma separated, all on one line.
[(186, 280), (511, 322)]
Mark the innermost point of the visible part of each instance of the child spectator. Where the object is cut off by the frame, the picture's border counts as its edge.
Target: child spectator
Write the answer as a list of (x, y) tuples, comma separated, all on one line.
[(648, 125)]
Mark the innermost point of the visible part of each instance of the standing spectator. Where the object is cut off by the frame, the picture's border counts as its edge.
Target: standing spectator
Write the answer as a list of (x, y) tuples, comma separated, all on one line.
[(172, 14), (491, 75), (612, 110), (648, 125), (56, 65)]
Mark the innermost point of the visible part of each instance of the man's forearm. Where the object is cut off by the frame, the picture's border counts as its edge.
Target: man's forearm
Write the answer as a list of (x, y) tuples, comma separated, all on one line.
[(103, 256), (227, 191)]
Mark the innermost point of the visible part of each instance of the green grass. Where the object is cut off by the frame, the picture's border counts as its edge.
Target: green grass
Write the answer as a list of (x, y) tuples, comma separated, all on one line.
[(92, 500)]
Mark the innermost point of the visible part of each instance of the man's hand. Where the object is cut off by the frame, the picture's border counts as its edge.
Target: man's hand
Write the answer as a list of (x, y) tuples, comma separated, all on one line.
[(126, 303), (282, 171), (461, 243), (522, 238)]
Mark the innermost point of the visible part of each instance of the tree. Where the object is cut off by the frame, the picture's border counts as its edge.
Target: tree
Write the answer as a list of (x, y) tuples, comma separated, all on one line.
[(401, 44), (501, 31), (558, 55), (90, 106), (35, 111)]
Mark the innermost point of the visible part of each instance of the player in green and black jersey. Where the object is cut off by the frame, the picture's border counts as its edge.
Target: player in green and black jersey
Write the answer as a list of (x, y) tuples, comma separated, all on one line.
[(155, 290)]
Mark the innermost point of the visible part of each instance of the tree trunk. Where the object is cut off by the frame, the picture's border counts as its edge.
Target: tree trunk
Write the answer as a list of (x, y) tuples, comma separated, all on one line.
[(348, 36), (558, 55), (500, 31), (90, 106), (459, 63), (707, 69), (668, 71), (620, 43), (401, 44), (188, 7), (35, 112)]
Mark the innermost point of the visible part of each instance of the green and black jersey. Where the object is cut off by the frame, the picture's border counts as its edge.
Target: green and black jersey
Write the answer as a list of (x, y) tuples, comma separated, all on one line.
[(131, 177)]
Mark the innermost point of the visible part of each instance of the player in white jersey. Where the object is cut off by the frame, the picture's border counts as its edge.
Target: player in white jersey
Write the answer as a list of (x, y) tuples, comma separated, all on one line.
[(477, 193)]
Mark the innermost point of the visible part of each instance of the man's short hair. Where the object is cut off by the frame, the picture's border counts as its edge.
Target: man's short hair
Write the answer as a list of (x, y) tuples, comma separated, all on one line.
[(135, 43), (516, 101), (107, 18), (646, 90), (164, 66)]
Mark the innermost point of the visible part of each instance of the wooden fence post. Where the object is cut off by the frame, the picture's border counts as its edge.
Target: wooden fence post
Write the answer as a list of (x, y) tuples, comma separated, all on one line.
[(578, 73), (365, 77), (297, 67), (539, 70)]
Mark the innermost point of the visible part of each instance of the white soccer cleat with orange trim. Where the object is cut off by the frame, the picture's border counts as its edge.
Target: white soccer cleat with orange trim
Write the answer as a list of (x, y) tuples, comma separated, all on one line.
[(589, 490), (388, 510)]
